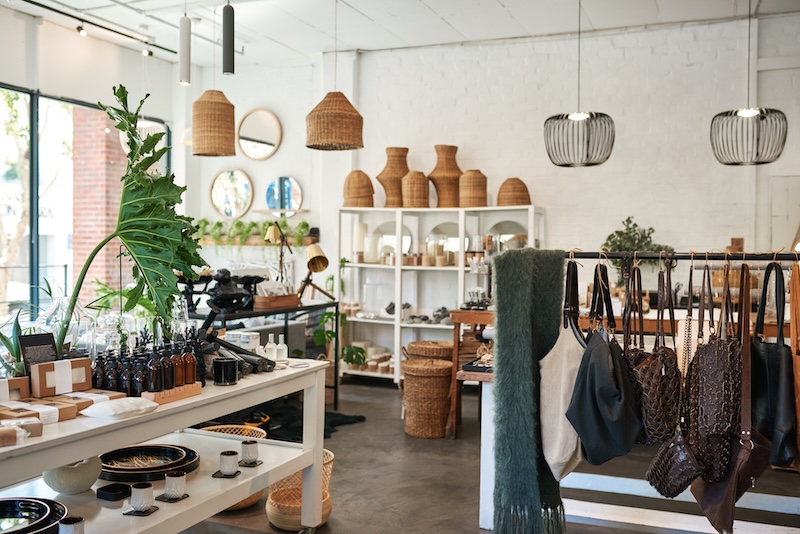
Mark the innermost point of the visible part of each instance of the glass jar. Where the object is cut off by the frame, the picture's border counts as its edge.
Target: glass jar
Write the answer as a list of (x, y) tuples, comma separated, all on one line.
[(80, 333)]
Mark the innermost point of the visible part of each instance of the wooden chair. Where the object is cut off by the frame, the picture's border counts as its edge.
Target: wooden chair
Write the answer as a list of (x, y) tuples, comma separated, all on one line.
[(464, 350)]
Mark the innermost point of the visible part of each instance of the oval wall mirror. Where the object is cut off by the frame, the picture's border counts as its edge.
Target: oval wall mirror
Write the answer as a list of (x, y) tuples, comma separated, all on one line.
[(284, 196), (232, 193), (260, 134)]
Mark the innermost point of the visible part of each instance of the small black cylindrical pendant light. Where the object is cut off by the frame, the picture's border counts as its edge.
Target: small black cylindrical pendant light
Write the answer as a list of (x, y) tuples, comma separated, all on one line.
[(227, 39)]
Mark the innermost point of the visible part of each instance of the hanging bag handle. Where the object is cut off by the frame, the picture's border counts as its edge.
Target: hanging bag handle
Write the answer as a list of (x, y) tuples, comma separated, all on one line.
[(744, 337), (612, 322), (670, 299), (705, 300), (780, 302), (660, 340), (794, 309), (571, 311), (726, 313)]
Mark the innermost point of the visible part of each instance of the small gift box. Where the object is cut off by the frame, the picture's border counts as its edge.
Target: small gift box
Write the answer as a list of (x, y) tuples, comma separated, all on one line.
[(60, 377), (12, 389), (46, 412)]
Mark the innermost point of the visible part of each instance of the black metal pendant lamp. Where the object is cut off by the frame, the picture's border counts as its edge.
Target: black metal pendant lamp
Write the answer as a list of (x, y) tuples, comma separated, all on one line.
[(748, 136), (582, 138)]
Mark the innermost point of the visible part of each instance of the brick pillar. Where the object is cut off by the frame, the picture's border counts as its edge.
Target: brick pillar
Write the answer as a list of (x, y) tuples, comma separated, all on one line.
[(98, 165)]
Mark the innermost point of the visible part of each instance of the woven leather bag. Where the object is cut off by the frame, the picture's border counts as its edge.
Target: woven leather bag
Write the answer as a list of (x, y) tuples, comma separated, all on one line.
[(750, 450), (714, 388), (658, 375), (633, 337), (674, 467)]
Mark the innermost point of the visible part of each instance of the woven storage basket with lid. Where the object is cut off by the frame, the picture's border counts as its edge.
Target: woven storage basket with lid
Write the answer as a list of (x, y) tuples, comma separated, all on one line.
[(513, 192), (415, 190), (438, 350), (445, 176), (426, 397), (358, 190), (391, 177), (249, 432), (472, 189), (286, 496)]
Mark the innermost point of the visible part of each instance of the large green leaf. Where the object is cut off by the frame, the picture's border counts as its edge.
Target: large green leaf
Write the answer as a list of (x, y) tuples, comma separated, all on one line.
[(155, 237)]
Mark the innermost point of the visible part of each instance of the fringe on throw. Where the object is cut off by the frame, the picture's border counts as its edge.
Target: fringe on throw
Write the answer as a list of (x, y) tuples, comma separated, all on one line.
[(523, 520)]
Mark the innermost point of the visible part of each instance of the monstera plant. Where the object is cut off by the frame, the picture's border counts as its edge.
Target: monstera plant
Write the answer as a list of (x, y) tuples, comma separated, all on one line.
[(156, 239)]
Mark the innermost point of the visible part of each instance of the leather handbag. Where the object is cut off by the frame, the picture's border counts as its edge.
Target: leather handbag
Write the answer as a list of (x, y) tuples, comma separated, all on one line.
[(750, 450), (714, 385), (560, 443), (794, 328), (773, 407), (602, 409), (658, 375)]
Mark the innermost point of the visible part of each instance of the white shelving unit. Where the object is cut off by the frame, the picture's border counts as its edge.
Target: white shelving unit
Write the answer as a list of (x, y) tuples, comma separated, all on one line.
[(425, 288), (71, 441)]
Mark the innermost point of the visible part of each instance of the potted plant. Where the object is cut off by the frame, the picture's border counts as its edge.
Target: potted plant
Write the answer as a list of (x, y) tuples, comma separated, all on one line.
[(632, 238), (156, 239)]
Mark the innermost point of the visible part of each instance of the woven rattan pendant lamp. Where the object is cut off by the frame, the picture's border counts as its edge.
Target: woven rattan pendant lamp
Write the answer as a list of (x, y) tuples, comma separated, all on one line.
[(334, 124), (748, 136), (579, 139), (213, 122)]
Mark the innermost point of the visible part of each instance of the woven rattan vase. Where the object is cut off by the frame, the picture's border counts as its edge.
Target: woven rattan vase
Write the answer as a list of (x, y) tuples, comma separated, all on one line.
[(513, 192), (445, 176), (391, 177), (358, 190), (213, 125), (334, 124), (472, 189), (426, 397), (415, 190)]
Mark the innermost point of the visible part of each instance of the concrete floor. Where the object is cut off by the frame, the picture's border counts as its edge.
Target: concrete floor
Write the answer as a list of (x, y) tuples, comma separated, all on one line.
[(384, 481)]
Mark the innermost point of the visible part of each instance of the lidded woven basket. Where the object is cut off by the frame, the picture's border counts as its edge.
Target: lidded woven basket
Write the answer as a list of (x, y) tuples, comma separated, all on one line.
[(391, 177), (513, 192), (438, 350), (358, 190), (426, 397), (445, 176), (472, 189), (415, 190)]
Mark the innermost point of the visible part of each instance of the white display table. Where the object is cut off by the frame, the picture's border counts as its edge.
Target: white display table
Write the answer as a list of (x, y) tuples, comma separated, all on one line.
[(71, 441)]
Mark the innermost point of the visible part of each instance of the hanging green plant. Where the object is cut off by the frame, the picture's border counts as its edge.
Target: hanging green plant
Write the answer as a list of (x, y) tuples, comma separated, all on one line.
[(156, 239), (202, 228), (217, 232)]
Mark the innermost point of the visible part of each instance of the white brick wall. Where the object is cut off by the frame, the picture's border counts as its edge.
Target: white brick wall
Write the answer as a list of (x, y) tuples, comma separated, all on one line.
[(662, 87)]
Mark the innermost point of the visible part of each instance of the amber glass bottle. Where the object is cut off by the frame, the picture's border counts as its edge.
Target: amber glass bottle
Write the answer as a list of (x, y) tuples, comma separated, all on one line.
[(155, 373)]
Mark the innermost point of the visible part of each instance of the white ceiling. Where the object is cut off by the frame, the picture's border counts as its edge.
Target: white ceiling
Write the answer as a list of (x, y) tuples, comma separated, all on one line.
[(292, 31)]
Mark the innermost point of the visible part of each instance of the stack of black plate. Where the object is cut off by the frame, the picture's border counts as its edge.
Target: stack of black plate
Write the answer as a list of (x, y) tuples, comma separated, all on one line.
[(31, 516), (139, 463)]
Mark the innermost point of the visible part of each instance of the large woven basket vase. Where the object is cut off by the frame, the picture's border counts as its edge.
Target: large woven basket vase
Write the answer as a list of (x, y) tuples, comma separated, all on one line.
[(445, 176), (415, 190), (391, 177), (472, 189)]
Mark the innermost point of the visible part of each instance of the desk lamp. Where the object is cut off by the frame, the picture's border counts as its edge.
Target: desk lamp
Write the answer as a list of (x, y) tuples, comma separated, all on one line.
[(317, 262), (275, 235)]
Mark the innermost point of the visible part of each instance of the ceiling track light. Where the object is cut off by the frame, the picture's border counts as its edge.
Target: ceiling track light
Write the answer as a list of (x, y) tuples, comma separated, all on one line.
[(751, 135), (81, 30), (146, 52), (582, 138), (227, 39)]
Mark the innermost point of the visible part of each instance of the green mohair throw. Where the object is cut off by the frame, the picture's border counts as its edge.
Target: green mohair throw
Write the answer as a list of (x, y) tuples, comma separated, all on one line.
[(528, 291)]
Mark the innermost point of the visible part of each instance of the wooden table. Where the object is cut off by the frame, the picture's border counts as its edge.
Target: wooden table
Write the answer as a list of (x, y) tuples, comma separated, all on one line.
[(478, 320)]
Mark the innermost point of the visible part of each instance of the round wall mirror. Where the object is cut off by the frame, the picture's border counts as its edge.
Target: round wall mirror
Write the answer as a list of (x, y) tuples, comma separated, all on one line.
[(232, 193), (510, 234), (260, 134), (387, 238), (284, 195)]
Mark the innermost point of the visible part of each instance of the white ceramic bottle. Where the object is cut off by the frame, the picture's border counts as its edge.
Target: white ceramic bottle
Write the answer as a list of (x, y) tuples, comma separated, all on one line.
[(270, 347), (281, 351)]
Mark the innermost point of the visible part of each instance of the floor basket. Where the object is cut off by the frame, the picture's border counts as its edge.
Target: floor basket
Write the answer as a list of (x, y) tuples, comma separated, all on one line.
[(426, 397), (246, 431), (286, 496)]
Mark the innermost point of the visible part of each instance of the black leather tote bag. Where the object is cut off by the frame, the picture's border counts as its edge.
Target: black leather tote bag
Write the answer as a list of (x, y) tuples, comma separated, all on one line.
[(773, 379)]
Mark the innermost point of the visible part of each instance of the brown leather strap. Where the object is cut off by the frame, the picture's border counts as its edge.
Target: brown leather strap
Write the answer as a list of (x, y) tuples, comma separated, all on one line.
[(670, 300), (726, 313), (660, 338), (744, 337), (706, 299)]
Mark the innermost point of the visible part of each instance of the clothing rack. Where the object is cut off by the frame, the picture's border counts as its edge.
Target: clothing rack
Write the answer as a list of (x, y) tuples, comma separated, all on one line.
[(697, 256)]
